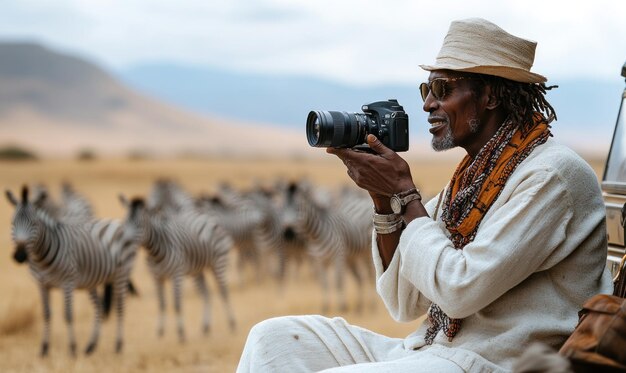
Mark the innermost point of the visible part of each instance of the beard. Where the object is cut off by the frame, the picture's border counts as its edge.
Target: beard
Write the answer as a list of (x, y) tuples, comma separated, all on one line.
[(444, 143), (448, 141)]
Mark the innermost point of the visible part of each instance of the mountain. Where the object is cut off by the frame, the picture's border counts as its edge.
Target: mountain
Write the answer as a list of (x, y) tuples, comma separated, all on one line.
[(586, 108), (58, 104)]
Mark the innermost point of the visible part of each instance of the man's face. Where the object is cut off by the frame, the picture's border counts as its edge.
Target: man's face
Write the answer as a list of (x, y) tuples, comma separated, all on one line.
[(455, 117)]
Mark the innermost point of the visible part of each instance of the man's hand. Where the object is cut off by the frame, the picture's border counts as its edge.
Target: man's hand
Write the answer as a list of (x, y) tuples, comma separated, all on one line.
[(382, 174)]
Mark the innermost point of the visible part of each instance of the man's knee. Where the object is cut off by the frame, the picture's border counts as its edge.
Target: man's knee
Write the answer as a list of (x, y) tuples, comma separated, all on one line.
[(271, 329)]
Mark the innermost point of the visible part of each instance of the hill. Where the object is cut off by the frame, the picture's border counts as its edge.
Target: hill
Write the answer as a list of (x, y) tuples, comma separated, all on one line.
[(58, 104), (586, 107)]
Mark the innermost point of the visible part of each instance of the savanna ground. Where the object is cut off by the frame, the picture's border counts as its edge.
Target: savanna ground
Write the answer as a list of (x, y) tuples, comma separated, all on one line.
[(101, 181)]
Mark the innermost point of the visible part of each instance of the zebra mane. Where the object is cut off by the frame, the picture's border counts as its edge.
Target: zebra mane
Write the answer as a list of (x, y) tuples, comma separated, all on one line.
[(46, 218)]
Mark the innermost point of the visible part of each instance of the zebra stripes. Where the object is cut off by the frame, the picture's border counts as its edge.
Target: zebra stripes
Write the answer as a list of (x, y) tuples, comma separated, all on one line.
[(262, 223), (277, 233), (178, 245), (74, 207), (69, 257), (68, 248), (338, 233), (240, 217)]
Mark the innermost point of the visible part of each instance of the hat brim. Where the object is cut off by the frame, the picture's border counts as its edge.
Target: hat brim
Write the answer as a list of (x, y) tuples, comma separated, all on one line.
[(508, 72)]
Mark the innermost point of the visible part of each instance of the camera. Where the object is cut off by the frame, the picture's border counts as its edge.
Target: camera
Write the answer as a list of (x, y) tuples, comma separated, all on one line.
[(339, 129)]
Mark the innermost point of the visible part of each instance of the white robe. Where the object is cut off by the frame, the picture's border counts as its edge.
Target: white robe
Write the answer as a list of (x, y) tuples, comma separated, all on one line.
[(538, 254)]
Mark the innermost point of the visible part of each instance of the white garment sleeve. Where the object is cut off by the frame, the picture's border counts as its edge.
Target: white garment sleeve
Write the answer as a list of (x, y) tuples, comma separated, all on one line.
[(516, 238), (396, 292)]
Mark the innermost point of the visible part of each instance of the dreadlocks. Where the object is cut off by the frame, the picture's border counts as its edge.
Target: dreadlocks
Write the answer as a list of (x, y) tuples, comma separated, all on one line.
[(521, 100)]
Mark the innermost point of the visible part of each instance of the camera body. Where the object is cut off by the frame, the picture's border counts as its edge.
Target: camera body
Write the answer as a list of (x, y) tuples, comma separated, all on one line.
[(387, 120)]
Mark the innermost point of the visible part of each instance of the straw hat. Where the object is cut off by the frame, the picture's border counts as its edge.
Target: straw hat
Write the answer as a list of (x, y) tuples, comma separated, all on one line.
[(476, 45)]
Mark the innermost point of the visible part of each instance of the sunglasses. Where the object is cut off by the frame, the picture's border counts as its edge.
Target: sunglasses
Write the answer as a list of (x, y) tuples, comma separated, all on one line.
[(438, 87)]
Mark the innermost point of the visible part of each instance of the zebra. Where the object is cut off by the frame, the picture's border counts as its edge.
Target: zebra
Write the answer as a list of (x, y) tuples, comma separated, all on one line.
[(338, 233), (74, 207), (167, 196), (228, 206), (240, 217), (69, 257), (179, 245), (277, 233)]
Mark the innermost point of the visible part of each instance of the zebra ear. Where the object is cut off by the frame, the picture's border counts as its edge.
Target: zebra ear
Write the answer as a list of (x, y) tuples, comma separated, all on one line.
[(11, 197), (24, 194), (123, 200)]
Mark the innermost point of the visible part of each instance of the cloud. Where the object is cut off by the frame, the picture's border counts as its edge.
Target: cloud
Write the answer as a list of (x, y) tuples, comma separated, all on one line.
[(356, 41)]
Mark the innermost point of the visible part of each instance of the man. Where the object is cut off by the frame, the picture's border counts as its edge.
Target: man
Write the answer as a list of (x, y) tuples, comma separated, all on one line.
[(504, 256)]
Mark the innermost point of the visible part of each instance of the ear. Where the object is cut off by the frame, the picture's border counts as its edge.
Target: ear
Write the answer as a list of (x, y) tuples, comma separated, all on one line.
[(123, 200), (216, 200), (11, 197), (492, 101), (24, 194), (66, 187)]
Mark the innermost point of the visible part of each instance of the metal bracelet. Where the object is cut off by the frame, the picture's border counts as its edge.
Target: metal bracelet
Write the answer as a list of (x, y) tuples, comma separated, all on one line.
[(386, 224), (385, 218), (389, 228)]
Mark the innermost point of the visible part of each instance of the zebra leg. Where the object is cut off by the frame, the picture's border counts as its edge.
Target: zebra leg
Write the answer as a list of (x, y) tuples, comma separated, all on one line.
[(353, 266), (219, 272), (95, 334), (258, 264), (241, 266), (45, 302), (206, 297), (340, 266), (370, 277), (322, 275), (160, 288), (69, 317), (119, 291), (177, 282), (282, 267)]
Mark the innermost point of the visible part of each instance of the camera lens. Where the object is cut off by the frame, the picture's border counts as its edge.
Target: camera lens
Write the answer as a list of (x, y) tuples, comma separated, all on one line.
[(335, 128), (315, 134)]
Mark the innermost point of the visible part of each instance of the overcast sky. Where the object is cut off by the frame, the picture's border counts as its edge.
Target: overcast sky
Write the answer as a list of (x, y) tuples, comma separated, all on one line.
[(354, 41)]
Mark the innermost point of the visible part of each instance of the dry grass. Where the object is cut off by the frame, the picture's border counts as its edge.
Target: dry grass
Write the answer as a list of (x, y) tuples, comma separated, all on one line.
[(17, 316), (101, 181)]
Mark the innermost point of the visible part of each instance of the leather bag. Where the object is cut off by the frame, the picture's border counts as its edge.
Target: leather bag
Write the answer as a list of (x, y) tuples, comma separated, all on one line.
[(599, 342)]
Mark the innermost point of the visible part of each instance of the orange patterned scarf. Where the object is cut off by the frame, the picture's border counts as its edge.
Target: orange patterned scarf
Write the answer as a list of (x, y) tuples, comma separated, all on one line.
[(475, 185)]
